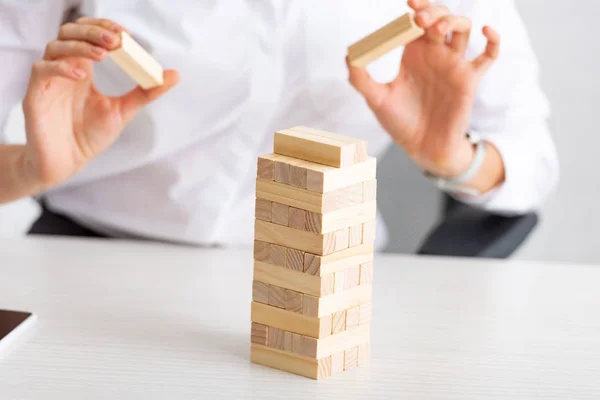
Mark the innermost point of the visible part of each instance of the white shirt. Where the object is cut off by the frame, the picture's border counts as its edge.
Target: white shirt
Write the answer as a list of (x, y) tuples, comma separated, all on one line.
[(184, 169)]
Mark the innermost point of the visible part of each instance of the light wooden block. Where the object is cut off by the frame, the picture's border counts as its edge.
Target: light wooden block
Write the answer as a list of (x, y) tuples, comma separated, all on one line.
[(365, 311), (290, 321), (361, 145), (324, 367), (314, 222), (369, 192), (294, 259), (310, 306), (304, 345), (345, 197), (315, 243), (399, 32), (282, 172), (339, 281), (352, 317), (327, 284), (341, 341), (280, 214), (313, 306), (262, 209), (349, 216), (293, 301), (277, 255), (260, 292), (288, 279), (287, 341), (275, 338), (137, 63), (258, 334), (321, 149), (366, 273), (343, 260), (276, 296), (351, 358), (265, 169), (364, 353), (298, 176), (337, 362), (356, 233), (312, 264), (338, 323), (292, 363), (369, 232), (341, 239), (352, 277), (297, 219), (320, 178), (262, 251)]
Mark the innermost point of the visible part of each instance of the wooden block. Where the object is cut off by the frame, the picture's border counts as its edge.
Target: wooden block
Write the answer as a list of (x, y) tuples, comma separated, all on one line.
[(314, 243), (262, 210), (365, 311), (319, 148), (399, 32), (297, 219), (276, 338), (262, 251), (351, 358), (287, 341), (314, 222), (327, 284), (344, 197), (347, 217), (341, 341), (287, 278), (312, 264), (265, 169), (361, 150), (258, 334), (304, 345), (369, 232), (338, 323), (324, 367), (342, 260), (290, 321), (364, 353), (280, 214), (337, 362), (352, 277), (137, 63), (277, 359), (298, 176), (341, 239), (356, 233), (320, 178), (282, 172), (339, 281), (277, 255), (366, 273), (276, 296), (341, 301), (293, 301), (310, 306), (260, 292), (369, 190), (352, 317), (294, 259)]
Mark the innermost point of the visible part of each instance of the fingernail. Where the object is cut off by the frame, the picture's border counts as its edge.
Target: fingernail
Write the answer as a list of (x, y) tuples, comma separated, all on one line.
[(424, 16), (116, 28), (106, 38), (78, 72), (99, 51)]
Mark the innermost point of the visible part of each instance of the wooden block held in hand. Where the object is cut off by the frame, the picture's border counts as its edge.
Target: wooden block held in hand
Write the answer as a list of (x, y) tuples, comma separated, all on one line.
[(262, 210), (258, 334), (136, 62), (260, 292), (399, 32)]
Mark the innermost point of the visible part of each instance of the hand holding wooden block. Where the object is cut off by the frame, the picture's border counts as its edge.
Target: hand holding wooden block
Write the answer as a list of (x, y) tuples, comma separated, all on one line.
[(137, 63), (399, 32)]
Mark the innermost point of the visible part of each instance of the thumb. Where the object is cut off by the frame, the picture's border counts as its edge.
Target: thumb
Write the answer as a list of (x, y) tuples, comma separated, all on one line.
[(138, 98), (373, 91)]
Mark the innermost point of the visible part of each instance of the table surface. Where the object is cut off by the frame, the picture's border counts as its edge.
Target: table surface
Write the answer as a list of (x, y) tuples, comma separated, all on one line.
[(132, 320)]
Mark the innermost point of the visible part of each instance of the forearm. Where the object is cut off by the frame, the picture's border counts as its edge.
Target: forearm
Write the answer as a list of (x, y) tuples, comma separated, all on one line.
[(16, 178), (491, 174)]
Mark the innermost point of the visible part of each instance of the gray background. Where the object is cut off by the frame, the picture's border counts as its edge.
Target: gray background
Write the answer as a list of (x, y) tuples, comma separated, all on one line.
[(567, 48)]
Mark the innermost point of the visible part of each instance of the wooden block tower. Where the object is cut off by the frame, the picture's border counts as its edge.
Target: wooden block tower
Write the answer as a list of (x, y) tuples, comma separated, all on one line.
[(313, 253)]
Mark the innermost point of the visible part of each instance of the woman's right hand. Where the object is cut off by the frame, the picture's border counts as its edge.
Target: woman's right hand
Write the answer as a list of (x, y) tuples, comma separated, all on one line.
[(68, 121)]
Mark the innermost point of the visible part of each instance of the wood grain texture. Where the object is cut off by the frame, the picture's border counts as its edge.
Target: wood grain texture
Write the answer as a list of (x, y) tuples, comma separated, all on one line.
[(365, 311), (341, 239), (341, 341), (337, 362), (312, 264), (282, 172), (280, 214), (294, 364), (260, 292), (137, 63), (352, 317), (310, 306), (399, 32), (258, 334), (294, 259), (347, 217), (289, 320), (356, 233), (277, 255), (298, 176), (324, 367), (369, 191), (352, 277), (338, 322), (327, 284), (345, 259), (293, 301), (321, 244), (366, 273), (315, 148), (360, 146), (348, 298), (262, 210), (297, 219), (369, 232), (276, 296), (265, 169), (314, 222), (351, 358), (276, 338), (262, 251), (287, 278)]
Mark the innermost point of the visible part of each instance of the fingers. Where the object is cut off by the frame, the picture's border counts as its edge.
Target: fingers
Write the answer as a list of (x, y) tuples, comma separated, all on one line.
[(373, 91), (459, 27), (72, 48), (491, 53), (102, 22), (44, 69), (92, 34), (418, 5), (136, 99), (428, 17)]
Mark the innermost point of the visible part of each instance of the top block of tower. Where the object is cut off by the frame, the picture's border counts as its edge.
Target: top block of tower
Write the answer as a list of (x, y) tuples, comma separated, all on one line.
[(399, 32), (137, 63), (320, 147)]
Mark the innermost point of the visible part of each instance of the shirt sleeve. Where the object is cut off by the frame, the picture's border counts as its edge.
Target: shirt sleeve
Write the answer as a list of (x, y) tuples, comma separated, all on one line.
[(511, 112), (25, 28)]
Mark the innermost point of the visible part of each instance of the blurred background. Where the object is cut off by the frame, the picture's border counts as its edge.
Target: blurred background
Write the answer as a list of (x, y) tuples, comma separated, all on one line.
[(570, 221)]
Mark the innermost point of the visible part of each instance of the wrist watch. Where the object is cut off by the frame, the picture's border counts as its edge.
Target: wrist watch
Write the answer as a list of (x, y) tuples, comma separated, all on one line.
[(455, 185)]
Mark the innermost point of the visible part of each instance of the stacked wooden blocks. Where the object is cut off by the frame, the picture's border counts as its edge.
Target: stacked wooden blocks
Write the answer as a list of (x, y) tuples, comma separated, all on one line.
[(313, 253)]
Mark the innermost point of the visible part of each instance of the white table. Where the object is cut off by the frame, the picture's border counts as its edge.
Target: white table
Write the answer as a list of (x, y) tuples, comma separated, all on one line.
[(123, 320)]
